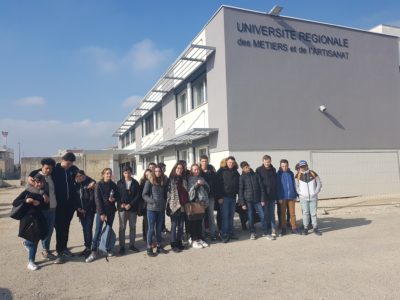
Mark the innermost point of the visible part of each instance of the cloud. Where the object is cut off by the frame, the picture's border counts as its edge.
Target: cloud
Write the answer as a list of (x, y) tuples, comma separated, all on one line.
[(31, 101), (142, 56), (131, 102), (46, 137)]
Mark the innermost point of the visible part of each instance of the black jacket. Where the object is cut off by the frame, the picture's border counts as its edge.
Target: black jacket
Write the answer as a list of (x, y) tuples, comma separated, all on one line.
[(32, 226), (131, 196), (84, 197), (210, 176), (269, 181), (101, 196), (227, 182), (251, 188), (155, 196), (64, 184)]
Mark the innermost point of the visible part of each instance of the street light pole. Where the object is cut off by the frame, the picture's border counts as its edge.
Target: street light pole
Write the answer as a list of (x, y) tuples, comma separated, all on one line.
[(19, 154)]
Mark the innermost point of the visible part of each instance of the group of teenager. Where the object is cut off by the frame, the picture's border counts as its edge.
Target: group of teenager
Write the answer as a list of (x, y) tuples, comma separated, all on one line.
[(56, 191)]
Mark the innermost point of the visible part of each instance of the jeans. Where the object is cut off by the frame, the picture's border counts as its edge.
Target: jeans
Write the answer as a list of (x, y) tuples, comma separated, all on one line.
[(32, 248), (228, 212), (251, 207), (210, 217), (269, 210), (309, 209), (87, 227), (156, 220), (290, 204), (99, 228), (124, 217), (177, 222), (50, 216)]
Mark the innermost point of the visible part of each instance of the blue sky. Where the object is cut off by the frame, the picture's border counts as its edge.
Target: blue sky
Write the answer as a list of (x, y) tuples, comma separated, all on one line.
[(71, 71)]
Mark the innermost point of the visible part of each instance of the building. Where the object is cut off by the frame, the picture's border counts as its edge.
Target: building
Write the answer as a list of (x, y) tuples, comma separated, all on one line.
[(6, 163), (252, 83)]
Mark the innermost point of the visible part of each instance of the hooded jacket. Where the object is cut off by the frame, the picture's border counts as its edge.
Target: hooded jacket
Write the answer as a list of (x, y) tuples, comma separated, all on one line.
[(286, 185), (270, 182), (84, 197), (228, 181), (64, 186), (251, 188), (308, 185)]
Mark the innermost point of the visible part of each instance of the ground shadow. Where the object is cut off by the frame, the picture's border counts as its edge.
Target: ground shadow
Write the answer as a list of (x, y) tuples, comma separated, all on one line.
[(332, 224), (5, 294)]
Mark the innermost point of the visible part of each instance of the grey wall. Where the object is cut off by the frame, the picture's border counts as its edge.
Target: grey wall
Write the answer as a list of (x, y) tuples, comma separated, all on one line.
[(216, 84), (273, 96), (169, 115)]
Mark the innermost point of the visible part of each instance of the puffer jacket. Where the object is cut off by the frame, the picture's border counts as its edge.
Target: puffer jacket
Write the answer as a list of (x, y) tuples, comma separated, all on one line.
[(250, 188), (155, 196), (228, 182), (286, 185), (308, 185), (198, 193)]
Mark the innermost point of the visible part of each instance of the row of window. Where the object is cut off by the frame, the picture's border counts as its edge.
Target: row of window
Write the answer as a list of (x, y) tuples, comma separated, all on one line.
[(154, 121)]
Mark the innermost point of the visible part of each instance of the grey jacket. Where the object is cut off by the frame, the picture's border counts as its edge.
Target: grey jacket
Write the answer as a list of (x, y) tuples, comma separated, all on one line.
[(198, 193), (155, 196)]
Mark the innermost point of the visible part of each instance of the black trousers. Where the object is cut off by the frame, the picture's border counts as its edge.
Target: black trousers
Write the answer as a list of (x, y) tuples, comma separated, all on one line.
[(195, 228), (64, 216)]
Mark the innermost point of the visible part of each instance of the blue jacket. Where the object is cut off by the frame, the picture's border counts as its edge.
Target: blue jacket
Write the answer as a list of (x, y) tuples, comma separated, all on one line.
[(286, 185)]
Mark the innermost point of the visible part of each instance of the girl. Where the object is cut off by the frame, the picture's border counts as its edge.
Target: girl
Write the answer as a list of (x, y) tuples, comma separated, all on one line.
[(142, 204), (105, 195), (198, 192), (154, 194)]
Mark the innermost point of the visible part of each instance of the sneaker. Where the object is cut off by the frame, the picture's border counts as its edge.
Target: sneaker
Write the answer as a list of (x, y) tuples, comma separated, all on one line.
[(32, 266), (121, 251), (110, 254), (317, 232), (273, 234), (180, 245), (133, 248), (60, 259), (253, 236), (203, 243), (304, 232), (271, 237), (91, 257), (68, 253), (283, 232), (48, 255), (85, 252), (161, 250), (150, 252), (295, 231), (225, 239), (196, 245)]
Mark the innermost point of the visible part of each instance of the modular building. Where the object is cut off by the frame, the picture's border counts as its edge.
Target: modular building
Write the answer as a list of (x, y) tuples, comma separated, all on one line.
[(252, 83)]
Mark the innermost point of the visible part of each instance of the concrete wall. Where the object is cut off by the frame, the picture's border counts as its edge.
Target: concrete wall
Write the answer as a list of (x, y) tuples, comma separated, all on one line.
[(275, 95)]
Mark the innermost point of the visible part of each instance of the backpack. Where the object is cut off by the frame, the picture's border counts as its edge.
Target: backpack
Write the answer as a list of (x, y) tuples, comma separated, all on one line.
[(107, 240)]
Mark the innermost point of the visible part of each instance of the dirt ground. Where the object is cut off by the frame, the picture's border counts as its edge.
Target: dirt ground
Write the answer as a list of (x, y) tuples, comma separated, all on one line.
[(357, 257)]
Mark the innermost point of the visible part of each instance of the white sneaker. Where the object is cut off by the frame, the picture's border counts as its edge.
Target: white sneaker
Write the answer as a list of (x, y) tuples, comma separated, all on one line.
[(196, 245), (203, 243), (271, 237), (91, 257), (32, 266)]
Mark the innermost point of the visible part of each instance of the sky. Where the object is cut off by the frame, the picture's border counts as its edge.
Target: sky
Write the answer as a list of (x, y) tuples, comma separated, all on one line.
[(71, 70)]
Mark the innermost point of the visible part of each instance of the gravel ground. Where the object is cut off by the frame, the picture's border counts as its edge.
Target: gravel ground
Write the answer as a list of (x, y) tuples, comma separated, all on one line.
[(357, 257)]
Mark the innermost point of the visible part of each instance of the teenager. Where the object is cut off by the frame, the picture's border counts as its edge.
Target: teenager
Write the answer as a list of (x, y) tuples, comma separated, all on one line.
[(207, 171), (128, 205), (46, 170), (177, 197), (142, 203), (252, 197), (105, 195), (228, 183), (64, 178), (267, 172), (198, 192), (155, 196), (85, 208), (33, 204), (308, 186), (287, 196)]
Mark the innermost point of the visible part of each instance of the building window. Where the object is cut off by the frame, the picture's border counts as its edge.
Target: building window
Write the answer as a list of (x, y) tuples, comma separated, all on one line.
[(149, 124), (159, 119), (199, 92), (183, 155), (181, 103), (133, 138)]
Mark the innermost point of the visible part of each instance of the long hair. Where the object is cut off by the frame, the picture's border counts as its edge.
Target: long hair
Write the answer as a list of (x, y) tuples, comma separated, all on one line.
[(173, 171), (191, 168), (154, 180), (144, 178), (104, 172)]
